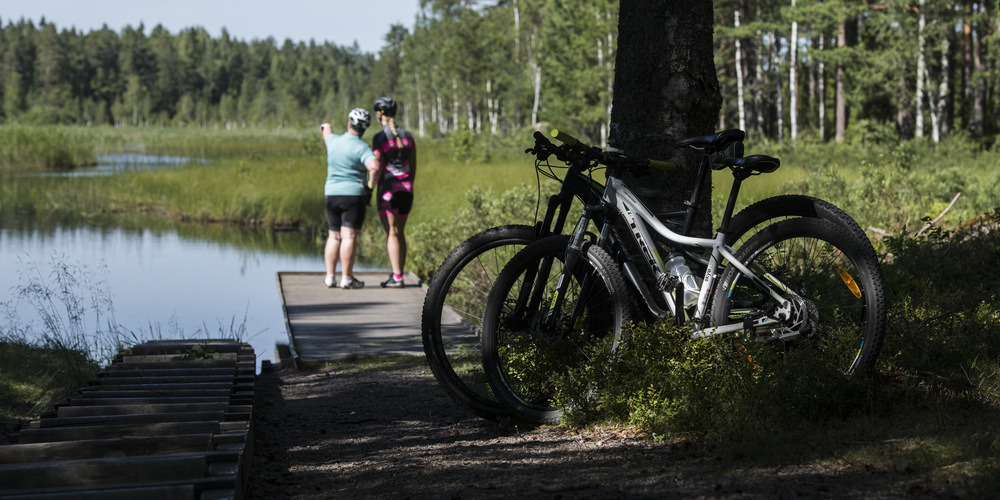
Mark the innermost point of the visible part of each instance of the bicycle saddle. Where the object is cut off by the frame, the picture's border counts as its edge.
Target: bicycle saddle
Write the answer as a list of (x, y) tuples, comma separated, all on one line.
[(715, 142), (752, 164)]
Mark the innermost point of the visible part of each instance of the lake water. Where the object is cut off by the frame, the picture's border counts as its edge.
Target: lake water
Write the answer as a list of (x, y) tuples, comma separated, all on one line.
[(122, 162), (161, 282)]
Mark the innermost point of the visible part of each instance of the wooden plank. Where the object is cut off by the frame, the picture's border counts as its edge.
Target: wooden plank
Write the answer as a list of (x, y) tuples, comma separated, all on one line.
[(139, 409), (111, 470), (173, 393), (188, 364), (183, 347), (169, 372), (51, 434), (153, 380), (163, 492), (200, 486), (125, 419), (160, 387), (131, 358), (96, 400), (97, 448)]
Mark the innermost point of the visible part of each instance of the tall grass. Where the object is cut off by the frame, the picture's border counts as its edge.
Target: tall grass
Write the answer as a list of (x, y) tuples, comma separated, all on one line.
[(42, 148)]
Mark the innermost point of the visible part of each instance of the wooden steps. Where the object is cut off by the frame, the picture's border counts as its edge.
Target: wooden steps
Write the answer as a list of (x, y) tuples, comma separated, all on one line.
[(169, 420)]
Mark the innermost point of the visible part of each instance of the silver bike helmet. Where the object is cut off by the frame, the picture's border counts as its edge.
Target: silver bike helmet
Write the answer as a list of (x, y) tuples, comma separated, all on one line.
[(359, 119)]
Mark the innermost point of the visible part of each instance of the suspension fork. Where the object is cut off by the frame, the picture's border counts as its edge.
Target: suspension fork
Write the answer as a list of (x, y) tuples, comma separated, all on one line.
[(572, 256), (529, 297), (555, 214)]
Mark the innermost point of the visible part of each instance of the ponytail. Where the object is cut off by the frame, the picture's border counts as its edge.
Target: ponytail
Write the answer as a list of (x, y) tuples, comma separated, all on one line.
[(395, 135)]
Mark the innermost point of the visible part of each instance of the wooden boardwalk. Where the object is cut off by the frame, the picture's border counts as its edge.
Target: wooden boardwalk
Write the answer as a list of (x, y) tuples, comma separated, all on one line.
[(167, 419), (330, 323)]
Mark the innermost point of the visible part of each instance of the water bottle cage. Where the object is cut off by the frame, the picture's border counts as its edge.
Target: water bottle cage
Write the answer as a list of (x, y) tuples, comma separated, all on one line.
[(667, 282)]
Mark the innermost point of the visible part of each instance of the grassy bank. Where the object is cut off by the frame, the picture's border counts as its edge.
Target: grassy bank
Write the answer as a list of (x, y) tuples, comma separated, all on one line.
[(33, 377), (273, 178), (38, 148)]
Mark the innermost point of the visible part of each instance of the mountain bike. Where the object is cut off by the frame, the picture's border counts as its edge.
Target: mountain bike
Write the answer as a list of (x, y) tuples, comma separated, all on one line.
[(813, 282), (457, 293)]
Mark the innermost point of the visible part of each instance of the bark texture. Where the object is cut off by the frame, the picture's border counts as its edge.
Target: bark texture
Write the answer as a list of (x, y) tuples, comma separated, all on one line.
[(665, 89)]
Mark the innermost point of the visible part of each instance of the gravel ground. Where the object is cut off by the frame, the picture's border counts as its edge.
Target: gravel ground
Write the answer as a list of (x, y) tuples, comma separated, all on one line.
[(393, 433)]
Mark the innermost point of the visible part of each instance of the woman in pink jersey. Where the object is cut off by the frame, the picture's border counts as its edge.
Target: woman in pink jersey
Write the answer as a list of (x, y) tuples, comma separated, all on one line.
[(396, 152)]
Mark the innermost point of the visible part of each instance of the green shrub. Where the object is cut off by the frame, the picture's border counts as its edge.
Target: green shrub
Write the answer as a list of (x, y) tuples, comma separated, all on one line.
[(940, 351), (431, 242), (718, 388)]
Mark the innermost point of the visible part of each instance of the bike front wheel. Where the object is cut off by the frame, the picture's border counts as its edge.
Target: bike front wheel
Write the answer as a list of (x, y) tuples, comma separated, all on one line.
[(838, 306), (529, 346), (453, 310)]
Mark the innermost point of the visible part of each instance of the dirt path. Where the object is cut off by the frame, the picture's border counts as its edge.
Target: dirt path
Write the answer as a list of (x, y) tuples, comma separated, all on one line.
[(395, 434)]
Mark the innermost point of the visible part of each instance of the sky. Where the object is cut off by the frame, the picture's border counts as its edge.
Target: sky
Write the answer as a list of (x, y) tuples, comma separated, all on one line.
[(341, 22)]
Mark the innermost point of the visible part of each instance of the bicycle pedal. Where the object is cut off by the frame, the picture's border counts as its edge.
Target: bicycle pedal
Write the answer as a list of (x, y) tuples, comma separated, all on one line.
[(748, 327)]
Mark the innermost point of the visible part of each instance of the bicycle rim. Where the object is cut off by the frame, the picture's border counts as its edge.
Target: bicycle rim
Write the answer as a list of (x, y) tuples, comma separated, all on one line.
[(840, 319)]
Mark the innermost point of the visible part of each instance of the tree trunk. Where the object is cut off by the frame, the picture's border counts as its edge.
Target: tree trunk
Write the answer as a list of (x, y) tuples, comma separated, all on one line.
[(758, 87), (421, 116), (793, 85), (536, 80), (967, 59), (840, 102), (941, 131), (666, 89), (978, 75), (492, 107), (821, 92), (739, 77), (779, 99), (454, 103), (517, 59), (921, 71)]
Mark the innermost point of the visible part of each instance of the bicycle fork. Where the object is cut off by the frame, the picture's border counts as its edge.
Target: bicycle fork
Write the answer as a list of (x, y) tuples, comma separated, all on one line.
[(572, 256)]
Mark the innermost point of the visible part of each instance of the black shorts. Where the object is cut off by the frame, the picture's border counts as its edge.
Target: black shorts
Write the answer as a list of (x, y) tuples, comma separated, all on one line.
[(346, 211)]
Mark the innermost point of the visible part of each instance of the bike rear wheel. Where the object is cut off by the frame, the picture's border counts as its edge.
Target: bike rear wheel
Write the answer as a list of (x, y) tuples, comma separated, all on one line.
[(840, 319), (453, 310), (528, 347), (765, 212)]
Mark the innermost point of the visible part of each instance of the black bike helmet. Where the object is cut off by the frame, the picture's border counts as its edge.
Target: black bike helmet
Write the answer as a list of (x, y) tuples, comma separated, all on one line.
[(359, 119), (386, 105)]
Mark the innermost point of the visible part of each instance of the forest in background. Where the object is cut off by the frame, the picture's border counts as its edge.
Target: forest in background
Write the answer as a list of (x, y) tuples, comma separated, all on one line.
[(891, 70)]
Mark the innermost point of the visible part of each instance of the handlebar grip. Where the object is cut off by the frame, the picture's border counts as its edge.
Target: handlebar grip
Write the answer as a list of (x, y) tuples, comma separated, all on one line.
[(663, 166), (564, 137)]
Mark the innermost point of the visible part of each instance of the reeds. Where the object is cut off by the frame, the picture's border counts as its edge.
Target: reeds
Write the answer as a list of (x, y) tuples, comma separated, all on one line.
[(43, 148)]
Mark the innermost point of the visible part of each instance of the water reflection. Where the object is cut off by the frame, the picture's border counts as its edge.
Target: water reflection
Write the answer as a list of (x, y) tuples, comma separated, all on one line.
[(111, 164), (162, 283)]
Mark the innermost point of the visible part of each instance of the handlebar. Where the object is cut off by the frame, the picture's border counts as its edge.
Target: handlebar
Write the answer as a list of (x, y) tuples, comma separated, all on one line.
[(580, 155), (564, 137)]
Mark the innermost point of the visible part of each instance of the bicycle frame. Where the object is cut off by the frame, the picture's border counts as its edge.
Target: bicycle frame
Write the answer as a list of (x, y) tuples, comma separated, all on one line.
[(640, 220)]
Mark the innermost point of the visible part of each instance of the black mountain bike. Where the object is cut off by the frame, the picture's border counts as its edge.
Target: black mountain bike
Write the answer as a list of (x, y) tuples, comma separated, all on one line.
[(457, 293), (808, 280)]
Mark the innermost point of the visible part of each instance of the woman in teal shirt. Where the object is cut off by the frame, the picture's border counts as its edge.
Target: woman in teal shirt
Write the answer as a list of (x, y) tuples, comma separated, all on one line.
[(351, 171)]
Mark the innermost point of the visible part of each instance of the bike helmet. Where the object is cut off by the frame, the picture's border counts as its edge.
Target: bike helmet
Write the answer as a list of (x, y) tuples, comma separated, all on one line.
[(359, 119), (386, 105)]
